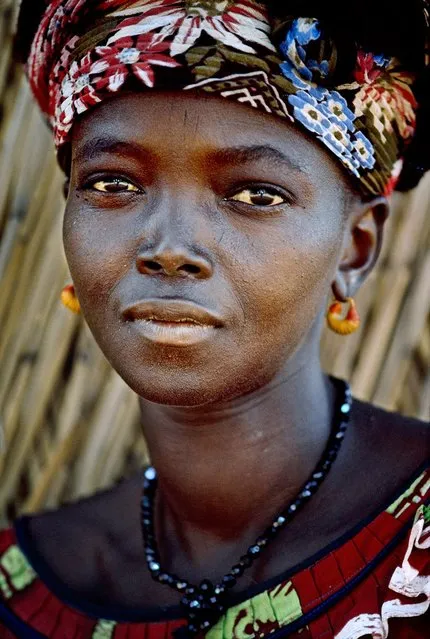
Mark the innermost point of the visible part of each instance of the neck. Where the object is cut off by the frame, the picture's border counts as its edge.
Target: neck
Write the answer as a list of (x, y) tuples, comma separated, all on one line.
[(230, 468)]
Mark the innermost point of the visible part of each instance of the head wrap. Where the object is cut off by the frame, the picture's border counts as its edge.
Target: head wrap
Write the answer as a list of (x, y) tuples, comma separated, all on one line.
[(84, 52)]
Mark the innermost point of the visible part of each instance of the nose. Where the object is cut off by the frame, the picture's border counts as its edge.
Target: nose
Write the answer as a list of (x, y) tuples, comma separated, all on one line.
[(175, 238), (168, 259)]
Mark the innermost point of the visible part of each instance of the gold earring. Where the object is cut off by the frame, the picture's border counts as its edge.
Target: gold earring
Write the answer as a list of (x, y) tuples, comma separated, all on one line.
[(345, 326), (69, 299)]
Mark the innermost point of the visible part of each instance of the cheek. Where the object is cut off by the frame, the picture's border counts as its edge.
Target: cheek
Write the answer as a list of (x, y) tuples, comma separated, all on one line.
[(97, 249), (289, 277)]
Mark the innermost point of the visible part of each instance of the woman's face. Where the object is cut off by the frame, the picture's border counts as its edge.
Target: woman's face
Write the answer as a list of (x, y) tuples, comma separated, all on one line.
[(176, 196)]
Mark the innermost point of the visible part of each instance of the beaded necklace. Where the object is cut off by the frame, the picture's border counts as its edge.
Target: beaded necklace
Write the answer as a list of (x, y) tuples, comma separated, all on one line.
[(203, 605)]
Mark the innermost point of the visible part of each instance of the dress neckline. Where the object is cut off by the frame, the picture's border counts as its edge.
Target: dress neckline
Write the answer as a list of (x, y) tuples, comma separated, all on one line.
[(121, 614)]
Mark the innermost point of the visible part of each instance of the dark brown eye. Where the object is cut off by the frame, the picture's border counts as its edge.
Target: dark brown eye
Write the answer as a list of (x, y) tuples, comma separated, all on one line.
[(114, 185), (259, 197)]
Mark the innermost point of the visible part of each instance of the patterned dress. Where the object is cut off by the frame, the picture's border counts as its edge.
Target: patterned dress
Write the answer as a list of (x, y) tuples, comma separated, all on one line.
[(372, 582)]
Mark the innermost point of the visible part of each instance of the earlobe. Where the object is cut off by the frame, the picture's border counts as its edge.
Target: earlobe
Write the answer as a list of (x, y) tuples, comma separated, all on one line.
[(362, 246)]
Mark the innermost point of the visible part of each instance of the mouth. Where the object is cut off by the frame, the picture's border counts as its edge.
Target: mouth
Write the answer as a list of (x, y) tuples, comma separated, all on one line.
[(171, 311), (156, 320), (174, 322)]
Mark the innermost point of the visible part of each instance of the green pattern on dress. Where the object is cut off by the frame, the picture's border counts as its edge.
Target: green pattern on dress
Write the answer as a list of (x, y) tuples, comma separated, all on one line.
[(395, 505), (17, 568), (4, 587), (260, 615), (286, 603), (104, 629)]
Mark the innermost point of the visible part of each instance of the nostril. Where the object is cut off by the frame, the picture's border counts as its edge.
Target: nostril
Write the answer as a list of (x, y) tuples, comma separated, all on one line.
[(190, 268), (171, 267), (151, 266)]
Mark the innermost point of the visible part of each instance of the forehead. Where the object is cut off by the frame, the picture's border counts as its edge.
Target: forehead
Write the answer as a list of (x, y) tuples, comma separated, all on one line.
[(186, 122)]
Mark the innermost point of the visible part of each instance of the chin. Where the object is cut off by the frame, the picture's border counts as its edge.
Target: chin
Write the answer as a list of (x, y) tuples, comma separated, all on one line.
[(194, 376), (185, 389)]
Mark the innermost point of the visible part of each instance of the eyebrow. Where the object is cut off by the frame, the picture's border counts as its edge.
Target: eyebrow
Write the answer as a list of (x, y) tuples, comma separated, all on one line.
[(98, 146), (233, 155), (246, 154)]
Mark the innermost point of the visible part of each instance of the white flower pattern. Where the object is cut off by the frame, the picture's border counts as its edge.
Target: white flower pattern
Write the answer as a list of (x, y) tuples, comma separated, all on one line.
[(233, 24)]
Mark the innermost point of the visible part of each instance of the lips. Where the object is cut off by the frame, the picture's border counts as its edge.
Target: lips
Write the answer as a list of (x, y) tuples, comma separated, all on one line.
[(171, 311)]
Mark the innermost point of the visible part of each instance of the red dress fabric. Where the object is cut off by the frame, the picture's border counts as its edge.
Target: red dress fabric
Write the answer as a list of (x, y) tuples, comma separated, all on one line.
[(373, 582)]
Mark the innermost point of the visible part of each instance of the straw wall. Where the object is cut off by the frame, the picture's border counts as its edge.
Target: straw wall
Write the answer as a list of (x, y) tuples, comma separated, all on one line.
[(70, 425)]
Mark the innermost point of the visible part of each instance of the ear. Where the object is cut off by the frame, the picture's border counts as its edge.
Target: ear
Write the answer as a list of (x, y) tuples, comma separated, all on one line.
[(361, 247)]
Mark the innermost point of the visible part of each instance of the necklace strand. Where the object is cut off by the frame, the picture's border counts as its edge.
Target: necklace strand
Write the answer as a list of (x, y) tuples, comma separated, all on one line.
[(203, 605)]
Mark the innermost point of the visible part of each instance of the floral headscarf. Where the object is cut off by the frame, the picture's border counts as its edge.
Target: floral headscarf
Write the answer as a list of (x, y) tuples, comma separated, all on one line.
[(85, 51)]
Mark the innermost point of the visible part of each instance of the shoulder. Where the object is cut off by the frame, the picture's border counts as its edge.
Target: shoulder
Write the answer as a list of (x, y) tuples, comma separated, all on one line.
[(400, 441), (75, 542), (377, 415), (383, 455)]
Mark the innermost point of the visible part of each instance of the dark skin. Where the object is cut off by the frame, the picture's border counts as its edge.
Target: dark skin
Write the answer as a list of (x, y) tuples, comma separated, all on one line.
[(237, 423)]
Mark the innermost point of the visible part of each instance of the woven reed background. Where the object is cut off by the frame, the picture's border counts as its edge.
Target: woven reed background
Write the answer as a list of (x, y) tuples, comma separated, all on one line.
[(70, 425)]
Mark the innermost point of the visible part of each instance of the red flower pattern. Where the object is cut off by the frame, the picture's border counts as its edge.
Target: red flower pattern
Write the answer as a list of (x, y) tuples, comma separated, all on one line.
[(139, 56), (387, 94), (236, 24), (367, 71), (77, 91)]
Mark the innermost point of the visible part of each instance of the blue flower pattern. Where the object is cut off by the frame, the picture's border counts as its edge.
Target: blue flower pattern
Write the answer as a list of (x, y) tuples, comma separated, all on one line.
[(381, 61), (365, 149), (323, 112)]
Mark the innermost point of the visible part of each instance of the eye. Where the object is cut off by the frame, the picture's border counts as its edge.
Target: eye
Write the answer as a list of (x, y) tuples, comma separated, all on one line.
[(113, 185), (260, 196)]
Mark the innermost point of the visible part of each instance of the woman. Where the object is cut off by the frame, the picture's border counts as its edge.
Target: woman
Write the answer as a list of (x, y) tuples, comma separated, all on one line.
[(202, 237)]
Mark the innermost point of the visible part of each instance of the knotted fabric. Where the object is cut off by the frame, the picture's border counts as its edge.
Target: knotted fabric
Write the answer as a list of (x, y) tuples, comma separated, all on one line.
[(84, 52)]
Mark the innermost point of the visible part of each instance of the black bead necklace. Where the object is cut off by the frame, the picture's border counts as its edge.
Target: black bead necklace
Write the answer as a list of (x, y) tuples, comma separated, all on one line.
[(203, 605)]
